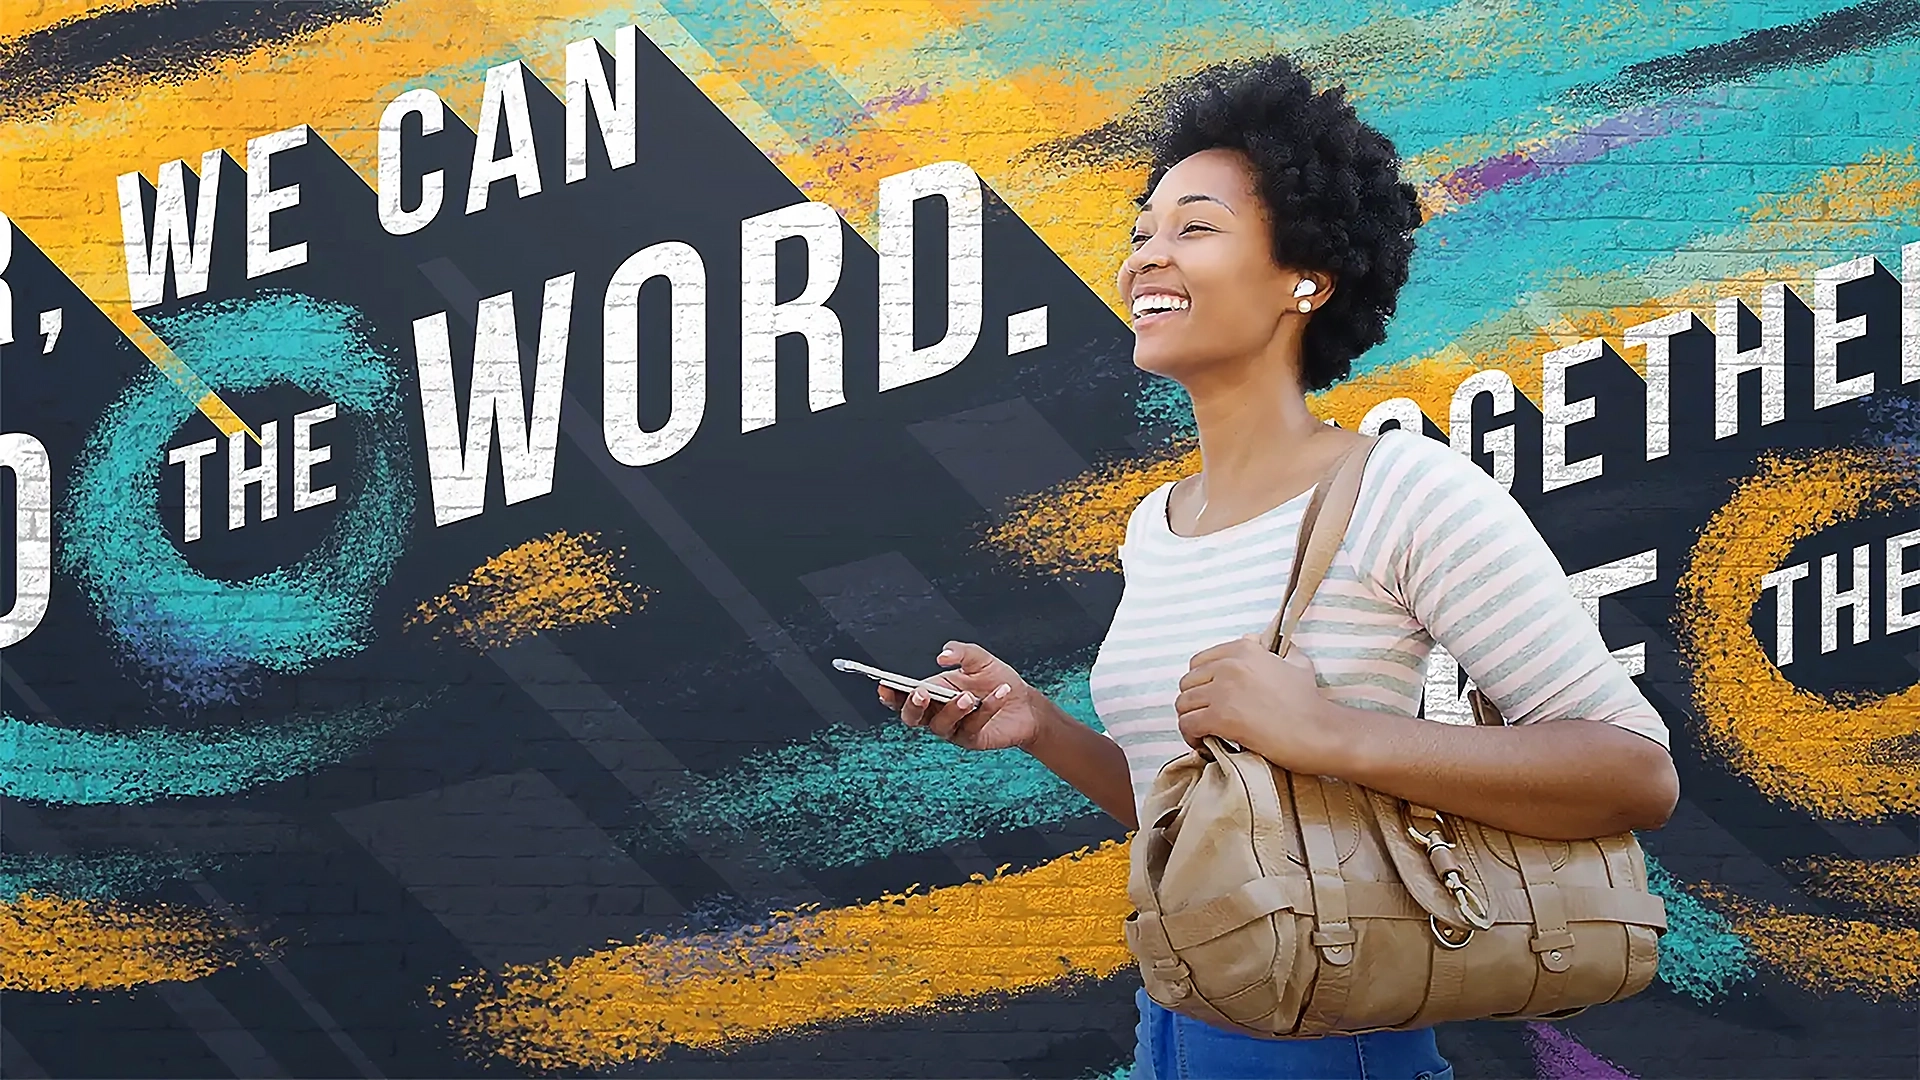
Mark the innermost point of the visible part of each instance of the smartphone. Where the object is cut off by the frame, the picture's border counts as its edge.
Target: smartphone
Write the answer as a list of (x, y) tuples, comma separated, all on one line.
[(940, 692)]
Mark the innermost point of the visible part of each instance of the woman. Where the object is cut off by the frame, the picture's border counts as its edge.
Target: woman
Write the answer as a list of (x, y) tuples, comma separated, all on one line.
[(1268, 253)]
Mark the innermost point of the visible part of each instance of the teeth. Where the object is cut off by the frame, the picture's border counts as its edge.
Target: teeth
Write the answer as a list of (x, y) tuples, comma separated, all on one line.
[(1152, 302)]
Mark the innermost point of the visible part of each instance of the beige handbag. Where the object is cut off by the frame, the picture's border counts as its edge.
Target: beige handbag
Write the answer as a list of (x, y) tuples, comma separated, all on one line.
[(1288, 906)]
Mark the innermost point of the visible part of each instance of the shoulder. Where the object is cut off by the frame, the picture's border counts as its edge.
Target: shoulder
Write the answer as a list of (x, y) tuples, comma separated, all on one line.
[(1143, 517), (1407, 465)]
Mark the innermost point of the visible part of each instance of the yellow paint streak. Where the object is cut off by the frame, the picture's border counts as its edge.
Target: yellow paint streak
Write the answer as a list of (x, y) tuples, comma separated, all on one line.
[(223, 416), (873, 38), (1823, 953), (1889, 886), (558, 580), (1078, 527), (1849, 199), (1429, 381), (21, 17), (1796, 746), (908, 952), (51, 944)]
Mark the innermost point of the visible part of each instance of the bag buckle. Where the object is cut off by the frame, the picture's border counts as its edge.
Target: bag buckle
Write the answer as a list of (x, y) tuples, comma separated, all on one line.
[(1440, 853)]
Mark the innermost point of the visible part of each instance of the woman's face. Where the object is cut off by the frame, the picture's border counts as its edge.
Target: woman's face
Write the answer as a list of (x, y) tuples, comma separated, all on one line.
[(1201, 282)]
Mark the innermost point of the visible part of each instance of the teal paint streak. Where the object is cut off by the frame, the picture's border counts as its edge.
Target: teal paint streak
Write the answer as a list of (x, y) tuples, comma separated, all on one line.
[(1165, 404), (68, 766), (205, 640), (1643, 220), (1550, 50), (802, 97), (1655, 215), (848, 796), (105, 875), (1700, 955), (1126, 47)]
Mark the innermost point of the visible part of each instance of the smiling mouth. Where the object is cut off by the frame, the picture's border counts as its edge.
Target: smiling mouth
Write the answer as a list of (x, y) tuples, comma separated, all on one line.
[(1158, 307)]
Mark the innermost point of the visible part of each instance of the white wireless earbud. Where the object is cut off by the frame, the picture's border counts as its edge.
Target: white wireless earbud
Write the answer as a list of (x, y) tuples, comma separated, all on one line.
[(1305, 288)]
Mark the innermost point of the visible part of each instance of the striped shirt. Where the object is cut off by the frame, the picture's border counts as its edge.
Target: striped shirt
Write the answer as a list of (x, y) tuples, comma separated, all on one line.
[(1437, 552)]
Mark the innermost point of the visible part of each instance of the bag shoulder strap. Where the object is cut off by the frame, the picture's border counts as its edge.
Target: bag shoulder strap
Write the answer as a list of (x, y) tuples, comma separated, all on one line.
[(1322, 529)]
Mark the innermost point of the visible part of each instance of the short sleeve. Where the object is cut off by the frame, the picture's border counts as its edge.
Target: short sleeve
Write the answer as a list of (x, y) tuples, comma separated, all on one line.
[(1149, 504), (1472, 568)]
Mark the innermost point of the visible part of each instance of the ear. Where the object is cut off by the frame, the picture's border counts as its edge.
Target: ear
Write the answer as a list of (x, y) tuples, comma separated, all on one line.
[(1323, 286)]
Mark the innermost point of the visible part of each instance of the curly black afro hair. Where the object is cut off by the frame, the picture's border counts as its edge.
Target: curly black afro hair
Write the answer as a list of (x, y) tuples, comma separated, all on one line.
[(1331, 184)]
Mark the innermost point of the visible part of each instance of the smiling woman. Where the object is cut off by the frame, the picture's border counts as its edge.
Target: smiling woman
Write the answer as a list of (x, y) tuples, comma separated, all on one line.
[(1268, 253)]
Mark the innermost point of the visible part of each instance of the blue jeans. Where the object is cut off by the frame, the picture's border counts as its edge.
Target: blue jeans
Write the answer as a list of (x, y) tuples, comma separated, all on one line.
[(1169, 1046)]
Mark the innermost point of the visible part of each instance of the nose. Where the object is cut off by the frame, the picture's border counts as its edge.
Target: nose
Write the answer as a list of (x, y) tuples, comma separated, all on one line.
[(1147, 256)]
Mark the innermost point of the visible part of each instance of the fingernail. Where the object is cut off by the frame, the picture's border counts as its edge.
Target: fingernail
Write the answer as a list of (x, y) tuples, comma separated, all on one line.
[(966, 702), (1002, 691), (945, 654), (919, 697)]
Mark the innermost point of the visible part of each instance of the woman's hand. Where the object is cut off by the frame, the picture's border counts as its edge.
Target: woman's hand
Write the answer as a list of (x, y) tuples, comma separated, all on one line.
[(1244, 693), (996, 709)]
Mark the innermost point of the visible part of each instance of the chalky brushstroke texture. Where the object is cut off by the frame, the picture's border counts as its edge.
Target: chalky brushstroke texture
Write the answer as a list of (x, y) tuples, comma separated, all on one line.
[(847, 796), (1079, 525), (95, 875), (1887, 888), (52, 943), (114, 49), (205, 641), (68, 766), (554, 581), (1700, 955), (1826, 953), (929, 81), (1798, 747), (940, 949), (1559, 1056)]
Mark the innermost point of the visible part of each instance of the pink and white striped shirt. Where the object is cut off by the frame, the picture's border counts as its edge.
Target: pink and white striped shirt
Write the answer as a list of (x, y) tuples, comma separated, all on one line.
[(1437, 552)]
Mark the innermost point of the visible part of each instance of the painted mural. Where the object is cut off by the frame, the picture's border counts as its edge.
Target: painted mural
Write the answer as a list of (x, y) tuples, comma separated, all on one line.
[(446, 441)]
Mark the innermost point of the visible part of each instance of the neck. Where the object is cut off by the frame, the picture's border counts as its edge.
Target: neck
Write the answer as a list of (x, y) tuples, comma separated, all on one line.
[(1253, 423)]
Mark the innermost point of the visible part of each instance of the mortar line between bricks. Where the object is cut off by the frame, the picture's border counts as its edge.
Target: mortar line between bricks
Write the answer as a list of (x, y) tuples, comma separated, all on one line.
[(48, 838)]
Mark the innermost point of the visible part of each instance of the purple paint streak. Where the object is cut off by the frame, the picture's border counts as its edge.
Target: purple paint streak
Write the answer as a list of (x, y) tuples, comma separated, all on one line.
[(1469, 182), (1559, 1056), (897, 99)]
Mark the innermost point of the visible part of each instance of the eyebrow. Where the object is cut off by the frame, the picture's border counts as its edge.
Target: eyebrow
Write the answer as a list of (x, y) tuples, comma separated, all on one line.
[(1193, 198)]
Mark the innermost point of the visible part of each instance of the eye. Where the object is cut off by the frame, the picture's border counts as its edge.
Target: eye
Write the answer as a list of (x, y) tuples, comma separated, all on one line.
[(1139, 238), (1197, 226)]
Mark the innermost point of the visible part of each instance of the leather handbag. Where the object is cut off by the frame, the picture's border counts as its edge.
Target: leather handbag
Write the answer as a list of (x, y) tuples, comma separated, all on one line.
[(1280, 905)]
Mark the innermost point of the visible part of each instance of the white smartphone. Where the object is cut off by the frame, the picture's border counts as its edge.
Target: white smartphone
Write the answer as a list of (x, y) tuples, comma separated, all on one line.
[(940, 692)]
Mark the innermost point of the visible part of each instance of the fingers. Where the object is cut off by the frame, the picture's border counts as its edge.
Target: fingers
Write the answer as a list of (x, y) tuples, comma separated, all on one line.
[(946, 718), (920, 710), (1195, 726), (971, 659), (1192, 700), (1200, 675), (1239, 646)]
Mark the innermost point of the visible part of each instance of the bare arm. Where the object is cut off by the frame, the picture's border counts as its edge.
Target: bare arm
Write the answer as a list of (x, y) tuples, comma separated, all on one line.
[(1556, 779), (1559, 779), (1093, 763), (998, 710)]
